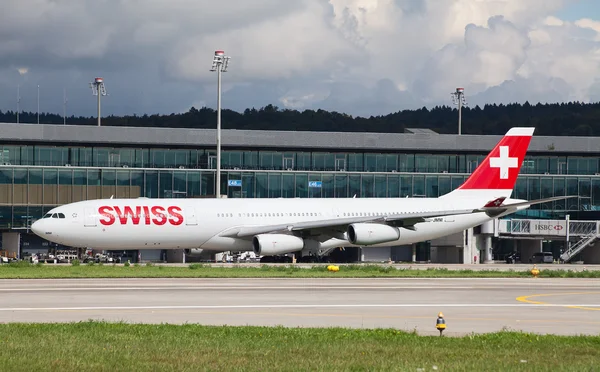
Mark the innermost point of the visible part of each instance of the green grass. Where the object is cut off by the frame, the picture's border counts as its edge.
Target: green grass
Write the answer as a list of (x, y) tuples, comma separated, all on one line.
[(25, 270), (98, 346)]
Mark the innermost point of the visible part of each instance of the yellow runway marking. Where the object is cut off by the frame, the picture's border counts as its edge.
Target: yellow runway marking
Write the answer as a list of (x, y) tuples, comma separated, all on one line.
[(526, 299)]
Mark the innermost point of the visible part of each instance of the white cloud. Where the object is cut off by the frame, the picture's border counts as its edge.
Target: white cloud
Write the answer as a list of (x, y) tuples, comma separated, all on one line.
[(590, 24), (349, 55), (293, 44)]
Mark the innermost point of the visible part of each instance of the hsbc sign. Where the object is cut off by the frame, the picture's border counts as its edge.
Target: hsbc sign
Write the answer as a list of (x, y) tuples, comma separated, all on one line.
[(140, 215), (549, 227)]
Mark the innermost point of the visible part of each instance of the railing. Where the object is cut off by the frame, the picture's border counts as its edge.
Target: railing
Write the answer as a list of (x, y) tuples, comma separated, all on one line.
[(583, 227), (519, 226), (548, 227), (579, 246)]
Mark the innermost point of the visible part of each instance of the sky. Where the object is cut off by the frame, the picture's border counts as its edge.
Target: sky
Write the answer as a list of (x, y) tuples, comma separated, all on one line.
[(360, 57)]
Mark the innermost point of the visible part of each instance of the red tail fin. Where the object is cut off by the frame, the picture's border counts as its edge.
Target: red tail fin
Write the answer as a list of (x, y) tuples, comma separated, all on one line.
[(497, 175), (501, 167)]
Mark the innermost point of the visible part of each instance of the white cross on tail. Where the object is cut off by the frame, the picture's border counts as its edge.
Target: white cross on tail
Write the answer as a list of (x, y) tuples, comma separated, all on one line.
[(504, 162)]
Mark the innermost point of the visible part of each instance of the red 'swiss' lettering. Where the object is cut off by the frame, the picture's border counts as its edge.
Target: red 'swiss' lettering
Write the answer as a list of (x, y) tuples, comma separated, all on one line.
[(106, 217), (147, 215), (128, 212), (156, 215), (159, 213), (176, 217)]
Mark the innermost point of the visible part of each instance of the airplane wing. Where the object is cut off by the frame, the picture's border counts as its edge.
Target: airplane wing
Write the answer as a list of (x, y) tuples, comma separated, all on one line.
[(407, 220)]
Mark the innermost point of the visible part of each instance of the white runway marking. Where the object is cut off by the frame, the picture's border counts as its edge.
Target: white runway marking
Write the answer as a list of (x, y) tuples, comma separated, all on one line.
[(300, 286), (306, 287), (274, 306), (250, 287)]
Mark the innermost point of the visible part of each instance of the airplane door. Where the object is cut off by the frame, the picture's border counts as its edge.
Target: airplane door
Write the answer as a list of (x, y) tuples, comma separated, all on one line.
[(335, 212), (89, 217), (190, 216)]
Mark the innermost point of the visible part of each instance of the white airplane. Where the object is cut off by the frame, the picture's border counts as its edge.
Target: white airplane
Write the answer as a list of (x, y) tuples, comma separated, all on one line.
[(280, 226)]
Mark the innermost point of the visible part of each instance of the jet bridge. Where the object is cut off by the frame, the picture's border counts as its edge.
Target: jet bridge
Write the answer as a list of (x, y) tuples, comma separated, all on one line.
[(579, 235)]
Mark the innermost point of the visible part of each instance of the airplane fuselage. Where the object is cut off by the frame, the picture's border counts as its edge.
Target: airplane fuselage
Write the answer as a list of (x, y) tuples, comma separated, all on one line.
[(198, 223)]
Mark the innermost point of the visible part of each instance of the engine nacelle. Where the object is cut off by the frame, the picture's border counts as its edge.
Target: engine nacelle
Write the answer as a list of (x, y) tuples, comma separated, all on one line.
[(372, 233), (194, 252), (274, 244)]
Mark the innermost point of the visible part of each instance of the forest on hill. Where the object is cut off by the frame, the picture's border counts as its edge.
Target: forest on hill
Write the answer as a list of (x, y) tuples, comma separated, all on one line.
[(557, 119)]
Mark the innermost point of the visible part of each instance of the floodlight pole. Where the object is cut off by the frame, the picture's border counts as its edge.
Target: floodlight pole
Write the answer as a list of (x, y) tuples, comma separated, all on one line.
[(64, 106), (98, 89), (99, 116), (18, 101), (38, 104), (458, 98), (218, 190), (220, 62)]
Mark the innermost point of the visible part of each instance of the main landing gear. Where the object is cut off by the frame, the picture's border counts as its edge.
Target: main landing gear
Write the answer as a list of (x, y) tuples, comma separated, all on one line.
[(332, 255), (289, 259)]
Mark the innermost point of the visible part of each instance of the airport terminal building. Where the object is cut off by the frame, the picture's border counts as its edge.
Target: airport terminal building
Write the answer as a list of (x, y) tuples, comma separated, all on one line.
[(42, 166)]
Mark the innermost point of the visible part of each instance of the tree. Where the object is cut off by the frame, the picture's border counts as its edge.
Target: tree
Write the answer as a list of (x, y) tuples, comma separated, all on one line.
[(557, 119)]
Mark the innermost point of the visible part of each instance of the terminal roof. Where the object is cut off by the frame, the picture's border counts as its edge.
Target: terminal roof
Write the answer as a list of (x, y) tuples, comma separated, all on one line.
[(422, 140)]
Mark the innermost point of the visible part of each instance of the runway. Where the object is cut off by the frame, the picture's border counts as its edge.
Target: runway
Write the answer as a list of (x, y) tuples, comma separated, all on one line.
[(473, 305)]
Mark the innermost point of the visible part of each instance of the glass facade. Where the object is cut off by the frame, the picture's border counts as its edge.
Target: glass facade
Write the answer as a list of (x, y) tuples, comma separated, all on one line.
[(59, 156), (26, 193)]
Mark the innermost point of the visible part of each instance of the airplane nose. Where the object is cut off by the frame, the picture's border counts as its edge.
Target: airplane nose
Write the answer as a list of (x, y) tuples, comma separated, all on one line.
[(36, 227)]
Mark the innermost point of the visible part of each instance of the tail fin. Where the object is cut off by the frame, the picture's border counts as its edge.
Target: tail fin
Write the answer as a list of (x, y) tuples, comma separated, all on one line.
[(496, 176)]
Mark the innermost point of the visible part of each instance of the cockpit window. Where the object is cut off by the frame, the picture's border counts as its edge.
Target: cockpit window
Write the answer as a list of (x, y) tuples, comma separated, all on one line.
[(54, 215)]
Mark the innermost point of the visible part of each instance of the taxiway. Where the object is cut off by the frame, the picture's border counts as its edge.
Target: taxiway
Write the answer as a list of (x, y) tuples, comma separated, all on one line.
[(473, 305)]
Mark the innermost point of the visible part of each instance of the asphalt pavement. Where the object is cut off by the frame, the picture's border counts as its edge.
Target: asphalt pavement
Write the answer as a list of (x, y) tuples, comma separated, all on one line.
[(471, 305)]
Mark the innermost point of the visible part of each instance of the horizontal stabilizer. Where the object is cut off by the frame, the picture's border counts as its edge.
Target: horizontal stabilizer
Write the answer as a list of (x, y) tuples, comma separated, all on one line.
[(491, 206), (495, 203)]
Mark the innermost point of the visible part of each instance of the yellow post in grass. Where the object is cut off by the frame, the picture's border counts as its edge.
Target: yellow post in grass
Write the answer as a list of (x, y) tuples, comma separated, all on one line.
[(440, 324), (535, 271)]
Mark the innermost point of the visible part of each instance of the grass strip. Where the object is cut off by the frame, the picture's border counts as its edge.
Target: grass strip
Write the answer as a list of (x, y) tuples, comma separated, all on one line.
[(26, 270), (100, 346)]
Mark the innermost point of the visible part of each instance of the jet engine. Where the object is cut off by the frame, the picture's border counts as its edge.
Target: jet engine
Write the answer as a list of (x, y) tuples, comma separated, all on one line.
[(275, 244), (193, 252), (371, 233)]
